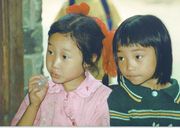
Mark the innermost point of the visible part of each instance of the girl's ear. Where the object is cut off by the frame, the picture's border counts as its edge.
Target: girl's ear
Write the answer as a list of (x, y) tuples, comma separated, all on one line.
[(85, 66), (94, 58)]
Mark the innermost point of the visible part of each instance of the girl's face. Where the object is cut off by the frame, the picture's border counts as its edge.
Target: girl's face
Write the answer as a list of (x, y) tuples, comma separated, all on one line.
[(137, 63), (64, 60)]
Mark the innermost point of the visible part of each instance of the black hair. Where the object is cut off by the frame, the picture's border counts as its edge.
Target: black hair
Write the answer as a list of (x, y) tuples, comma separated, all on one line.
[(85, 32), (147, 31)]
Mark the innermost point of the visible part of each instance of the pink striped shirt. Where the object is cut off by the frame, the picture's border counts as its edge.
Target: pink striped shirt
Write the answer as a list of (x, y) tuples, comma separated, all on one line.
[(85, 106)]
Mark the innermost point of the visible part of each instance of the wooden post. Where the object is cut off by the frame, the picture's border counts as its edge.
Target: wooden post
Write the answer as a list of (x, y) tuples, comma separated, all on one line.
[(11, 59)]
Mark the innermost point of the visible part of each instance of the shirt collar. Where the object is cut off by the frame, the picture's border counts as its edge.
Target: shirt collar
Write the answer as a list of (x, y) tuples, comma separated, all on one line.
[(86, 88), (173, 90), (139, 91)]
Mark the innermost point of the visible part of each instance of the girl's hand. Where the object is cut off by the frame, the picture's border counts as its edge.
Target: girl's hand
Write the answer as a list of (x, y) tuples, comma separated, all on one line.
[(38, 86)]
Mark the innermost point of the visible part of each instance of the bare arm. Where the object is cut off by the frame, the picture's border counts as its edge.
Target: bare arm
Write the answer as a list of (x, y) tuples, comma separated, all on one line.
[(29, 116)]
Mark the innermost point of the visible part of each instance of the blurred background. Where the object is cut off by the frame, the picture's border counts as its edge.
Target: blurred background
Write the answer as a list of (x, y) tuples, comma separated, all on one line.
[(24, 25)]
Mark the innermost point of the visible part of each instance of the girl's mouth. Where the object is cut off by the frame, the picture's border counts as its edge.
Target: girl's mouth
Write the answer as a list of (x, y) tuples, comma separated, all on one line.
[(54, 75), (132, 76)]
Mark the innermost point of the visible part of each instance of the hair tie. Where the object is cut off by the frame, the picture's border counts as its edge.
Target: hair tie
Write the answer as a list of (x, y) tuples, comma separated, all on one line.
[(109, 65), (83, 8)]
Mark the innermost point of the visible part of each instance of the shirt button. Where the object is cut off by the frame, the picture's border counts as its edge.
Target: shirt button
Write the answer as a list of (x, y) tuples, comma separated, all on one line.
[(154, 93), (73, 122)]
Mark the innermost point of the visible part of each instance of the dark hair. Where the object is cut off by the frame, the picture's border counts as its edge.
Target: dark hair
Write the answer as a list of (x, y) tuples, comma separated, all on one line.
[(147, 30), (86, 33)]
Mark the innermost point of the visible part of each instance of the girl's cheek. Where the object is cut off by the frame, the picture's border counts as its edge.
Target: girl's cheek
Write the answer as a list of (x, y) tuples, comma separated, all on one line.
[(48, 64)]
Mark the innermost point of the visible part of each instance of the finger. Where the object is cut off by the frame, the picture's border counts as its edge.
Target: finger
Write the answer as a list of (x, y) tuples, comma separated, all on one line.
[(34, 90), (35, 77), (35, 80), (32, 86)]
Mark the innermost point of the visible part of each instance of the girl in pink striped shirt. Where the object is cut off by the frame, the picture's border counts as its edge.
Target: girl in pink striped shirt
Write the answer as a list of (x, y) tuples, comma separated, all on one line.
[(73, 97)]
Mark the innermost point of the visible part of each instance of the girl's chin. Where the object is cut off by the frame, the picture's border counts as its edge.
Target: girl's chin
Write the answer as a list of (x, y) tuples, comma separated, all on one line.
[(136, 82), (56, 81)]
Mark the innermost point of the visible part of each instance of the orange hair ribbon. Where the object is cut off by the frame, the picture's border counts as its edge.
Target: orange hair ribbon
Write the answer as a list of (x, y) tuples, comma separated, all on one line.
[(83, 8), (109, 65)]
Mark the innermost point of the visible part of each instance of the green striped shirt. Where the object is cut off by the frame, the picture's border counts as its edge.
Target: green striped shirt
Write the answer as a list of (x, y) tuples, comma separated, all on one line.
[(135, 105)]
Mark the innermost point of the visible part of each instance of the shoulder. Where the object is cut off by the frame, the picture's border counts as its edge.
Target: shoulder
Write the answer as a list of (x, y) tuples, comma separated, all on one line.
[(106, 88), (117, 93), (117, 90), (174, 82), (119, 97), (96, 86), (103, 91), (174, 90)]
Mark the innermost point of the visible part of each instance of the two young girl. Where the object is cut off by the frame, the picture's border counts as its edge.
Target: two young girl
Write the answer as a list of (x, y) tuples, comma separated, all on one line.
[(146, 94), (73, 97)]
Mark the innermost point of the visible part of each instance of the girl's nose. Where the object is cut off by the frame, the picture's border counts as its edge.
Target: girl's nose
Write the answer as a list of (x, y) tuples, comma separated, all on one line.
[(56, 62), (130, 65)]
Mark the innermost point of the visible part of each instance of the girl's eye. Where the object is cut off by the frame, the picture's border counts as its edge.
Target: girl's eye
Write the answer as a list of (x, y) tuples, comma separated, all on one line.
[(50, 52), (121, 59), (65, 56), (139, 57)]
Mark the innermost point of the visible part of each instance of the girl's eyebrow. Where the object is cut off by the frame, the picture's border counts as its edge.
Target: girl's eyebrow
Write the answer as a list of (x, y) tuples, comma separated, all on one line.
[(118, 51), (67, 50), (137, 49), (49, 43), (133, 50)]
